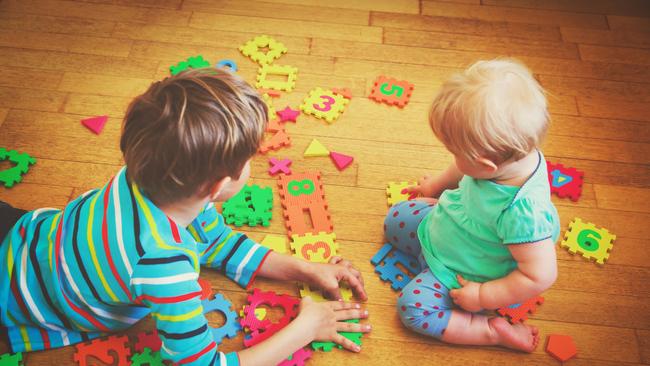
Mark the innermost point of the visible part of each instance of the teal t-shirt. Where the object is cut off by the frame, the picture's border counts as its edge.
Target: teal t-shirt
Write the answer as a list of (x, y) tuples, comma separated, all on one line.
[(469, 230)]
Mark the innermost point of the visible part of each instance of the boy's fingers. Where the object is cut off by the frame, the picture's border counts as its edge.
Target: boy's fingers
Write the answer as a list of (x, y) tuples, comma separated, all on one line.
[(356, 284), (335, 259), (334, 293), (342, 305), (346, 343), (352, 327), (357, 274), (348, 314)]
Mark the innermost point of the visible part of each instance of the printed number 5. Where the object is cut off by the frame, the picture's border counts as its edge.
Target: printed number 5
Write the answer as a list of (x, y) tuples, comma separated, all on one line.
[(327, 104), (394, 89)]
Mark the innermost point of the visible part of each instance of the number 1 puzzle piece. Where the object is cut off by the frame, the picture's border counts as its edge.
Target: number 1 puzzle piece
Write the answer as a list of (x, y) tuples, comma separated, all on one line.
[(108, 350), (391, 91), (324, 104), (315, 248), (565, 182), (389, 271), (290, 72), (519, 312), (588, 240), (397, 192)]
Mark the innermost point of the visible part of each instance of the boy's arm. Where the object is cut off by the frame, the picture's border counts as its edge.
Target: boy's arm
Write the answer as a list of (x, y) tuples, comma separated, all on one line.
[(430, 186)]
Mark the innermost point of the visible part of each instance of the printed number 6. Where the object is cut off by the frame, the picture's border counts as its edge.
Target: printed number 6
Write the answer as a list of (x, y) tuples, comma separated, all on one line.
[(297, 188), (314, 249), (588, 240), (327, 104), (394, 89)]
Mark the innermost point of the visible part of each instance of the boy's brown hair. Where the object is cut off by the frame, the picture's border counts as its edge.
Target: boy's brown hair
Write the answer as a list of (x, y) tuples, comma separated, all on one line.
[(189, 131)]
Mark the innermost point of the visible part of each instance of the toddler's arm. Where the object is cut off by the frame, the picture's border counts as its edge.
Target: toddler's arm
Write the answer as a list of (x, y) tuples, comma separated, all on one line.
[(429, 186), (536, 271)]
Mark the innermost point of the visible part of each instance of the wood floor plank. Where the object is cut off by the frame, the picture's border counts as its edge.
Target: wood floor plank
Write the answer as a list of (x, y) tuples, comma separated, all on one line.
[(608, 129), (628, 23), (604, 89), (535, 16), (96, 105), (65, 43), (623, 198), (103, 85), (474, 27), (616, 38), (51, 24), (607, 108), (407, 6), (644, 344), (40, 100), (280, 11), (3, 115), (627, 7), (623, 55), (30, 196), (362, 33), (34, 78)]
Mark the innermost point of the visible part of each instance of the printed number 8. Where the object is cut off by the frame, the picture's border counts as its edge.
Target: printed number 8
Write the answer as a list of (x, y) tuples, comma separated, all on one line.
[(327, 104), (297, 188), (394, 89), (588, 240)]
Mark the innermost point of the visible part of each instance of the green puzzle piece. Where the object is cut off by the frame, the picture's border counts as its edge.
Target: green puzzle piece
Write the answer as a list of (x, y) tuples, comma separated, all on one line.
[(11, 359), (14, 175), (147, 358), (328, 346), (195, 62), (251, 206)]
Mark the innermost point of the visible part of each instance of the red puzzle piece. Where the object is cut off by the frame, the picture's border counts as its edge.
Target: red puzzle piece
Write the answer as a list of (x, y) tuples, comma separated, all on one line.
[(149, 340), (275, 142), (95, 124), (561, 347), (107, 350), (263, 329), (520, 313), (391, 91), (344, 92), (206, 290), (565, 182), (340, 160)]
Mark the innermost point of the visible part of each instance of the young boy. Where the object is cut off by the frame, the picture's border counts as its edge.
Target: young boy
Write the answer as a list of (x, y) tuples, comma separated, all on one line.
[(134, 247)]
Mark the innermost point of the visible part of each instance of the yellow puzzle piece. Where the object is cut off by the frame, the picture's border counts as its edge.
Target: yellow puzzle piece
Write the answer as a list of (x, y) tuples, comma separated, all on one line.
[(588, 240), (315, 248), (254, 49), (305, 290), (394, 192), (325, 104), (290, 72), (315, 148), (277, 243)]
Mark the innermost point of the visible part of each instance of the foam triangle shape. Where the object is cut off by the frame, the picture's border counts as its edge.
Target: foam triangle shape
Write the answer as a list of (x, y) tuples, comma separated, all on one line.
[(95, 124), (315, 148), (341, 161), (560, 179)]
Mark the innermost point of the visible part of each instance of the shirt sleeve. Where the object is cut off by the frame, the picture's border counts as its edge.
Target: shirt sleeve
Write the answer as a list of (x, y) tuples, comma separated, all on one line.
[(528, 221), (167, 284), (222, 248)]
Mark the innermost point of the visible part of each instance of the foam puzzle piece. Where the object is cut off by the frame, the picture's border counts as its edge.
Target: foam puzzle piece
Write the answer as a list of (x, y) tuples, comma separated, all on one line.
[(561, 347), (206, 289), (278, 140), (302, 193), (288, 114), (147, 357), (324, 104), (519, 312), (9, 177), (260, 314), (345, 92), (271, 113), (231, 326), (341, 161), (328, 346), (298, 358), (315, 148), (11, 359), (317, 295), (254, 49), (149, 340), (389, 271), (262, 330), (278, 166), (113, 350), (290, 72), (397, 192), (381, 254), (271, 93), (391, 91), (195, 62), (95, 124), (315, 247), (588, 240), (252, 206), (565, 182), (230, 64), (276, 243)]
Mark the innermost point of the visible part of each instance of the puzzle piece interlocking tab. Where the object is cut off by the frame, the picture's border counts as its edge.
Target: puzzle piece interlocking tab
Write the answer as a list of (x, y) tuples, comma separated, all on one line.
[(231, 326), (588, 240), (519, 312), (386, 264)]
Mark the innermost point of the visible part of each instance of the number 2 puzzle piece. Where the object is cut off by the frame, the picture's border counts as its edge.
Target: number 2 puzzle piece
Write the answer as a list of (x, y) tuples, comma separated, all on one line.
[(396, 192), (391, 91), (519, 312), (565, 182), (588, 240), (14, 175), (315, 248), (231, 326), (11, 359), (389, 271), (113, 350), (254, 49), (324, 104), (290, 72)]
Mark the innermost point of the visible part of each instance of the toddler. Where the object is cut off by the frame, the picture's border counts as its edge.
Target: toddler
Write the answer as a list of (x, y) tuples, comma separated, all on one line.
[(488, 240), (135, 247)]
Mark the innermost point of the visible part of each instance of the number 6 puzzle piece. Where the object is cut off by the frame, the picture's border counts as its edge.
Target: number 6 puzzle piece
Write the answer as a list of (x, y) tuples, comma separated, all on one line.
[(391, 91), (588, 240), (324, 104), (290, 72), (315, 248)]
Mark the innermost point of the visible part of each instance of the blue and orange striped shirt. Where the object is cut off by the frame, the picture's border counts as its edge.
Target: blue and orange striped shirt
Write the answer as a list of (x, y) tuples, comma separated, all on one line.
[(110, 258)]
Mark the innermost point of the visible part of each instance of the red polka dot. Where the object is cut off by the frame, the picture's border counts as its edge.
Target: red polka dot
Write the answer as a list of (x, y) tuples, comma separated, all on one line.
[(404, 191), (436, 307), (425, 325), (416, 292), (395, 239), (403, 308), (436, 285), (425, 313), (395, 213), (401, 225), (417, 304), (401, 294), (203, 223), (416, 212), (438, 295), (412, 205), (412, 235), (440, 314), (418, 280)]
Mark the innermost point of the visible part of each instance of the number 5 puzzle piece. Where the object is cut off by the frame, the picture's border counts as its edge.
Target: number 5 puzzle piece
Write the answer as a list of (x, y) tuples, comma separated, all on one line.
[(391, 91), (324, 104), (588, 240), (315, 248)]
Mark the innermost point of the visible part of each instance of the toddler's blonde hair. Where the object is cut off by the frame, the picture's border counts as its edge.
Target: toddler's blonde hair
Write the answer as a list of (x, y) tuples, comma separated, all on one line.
[(494, 109)]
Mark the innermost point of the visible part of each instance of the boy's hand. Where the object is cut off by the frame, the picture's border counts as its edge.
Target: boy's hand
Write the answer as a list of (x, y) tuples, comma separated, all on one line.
[(327, 276), (325, 320), (467, 297)]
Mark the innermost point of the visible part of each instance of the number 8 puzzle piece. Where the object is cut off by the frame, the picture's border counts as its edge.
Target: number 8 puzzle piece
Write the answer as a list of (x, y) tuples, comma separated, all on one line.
[(391, 91), (588, 240), (325, 104)]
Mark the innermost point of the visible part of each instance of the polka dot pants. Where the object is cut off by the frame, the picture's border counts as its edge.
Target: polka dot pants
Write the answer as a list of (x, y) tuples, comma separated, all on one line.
[(424, 305)]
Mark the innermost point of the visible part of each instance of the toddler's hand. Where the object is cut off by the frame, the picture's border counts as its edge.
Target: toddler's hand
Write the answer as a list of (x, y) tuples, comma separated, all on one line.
[(324, 319), (426, 187), (467, 297), (327, 276)]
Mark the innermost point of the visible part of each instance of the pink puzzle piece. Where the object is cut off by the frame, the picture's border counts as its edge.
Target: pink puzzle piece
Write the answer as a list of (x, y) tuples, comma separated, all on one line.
[(95, 124), (341, 161), (279, 166), (288, 114)]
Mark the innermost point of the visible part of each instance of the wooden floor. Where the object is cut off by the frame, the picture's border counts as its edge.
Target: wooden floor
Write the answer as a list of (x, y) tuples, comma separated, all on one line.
[(61, 61)]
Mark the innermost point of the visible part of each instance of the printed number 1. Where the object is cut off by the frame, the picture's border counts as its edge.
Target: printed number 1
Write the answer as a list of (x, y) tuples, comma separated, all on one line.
[(327, 104), (394, 89)]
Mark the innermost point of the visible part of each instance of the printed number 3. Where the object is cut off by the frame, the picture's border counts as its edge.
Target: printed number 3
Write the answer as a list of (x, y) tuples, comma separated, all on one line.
[(394, 89), (314, 249), (327, 104), (297, 188)]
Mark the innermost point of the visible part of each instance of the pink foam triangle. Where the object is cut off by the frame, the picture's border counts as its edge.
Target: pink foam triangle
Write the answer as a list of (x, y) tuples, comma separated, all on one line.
[(341, 161), (95, 124)]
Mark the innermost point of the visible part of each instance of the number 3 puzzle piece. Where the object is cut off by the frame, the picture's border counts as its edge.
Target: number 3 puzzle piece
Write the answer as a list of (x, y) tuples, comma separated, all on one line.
[(324, 104), (315, 248), (391, 91), (588, 240)]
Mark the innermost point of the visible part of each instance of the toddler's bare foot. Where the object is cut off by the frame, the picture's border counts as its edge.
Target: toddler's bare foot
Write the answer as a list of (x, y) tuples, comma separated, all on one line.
[(521, 337)]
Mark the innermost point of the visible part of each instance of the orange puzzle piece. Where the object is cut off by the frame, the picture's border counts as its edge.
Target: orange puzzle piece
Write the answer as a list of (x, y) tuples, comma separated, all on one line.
[(107, 350), (275, 142), (302, 193), (391, 91), (561, 347), (519, 312)]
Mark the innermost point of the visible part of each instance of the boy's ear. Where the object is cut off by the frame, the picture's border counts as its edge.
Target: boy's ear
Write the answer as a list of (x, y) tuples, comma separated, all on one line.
[(217, 187), (486, 164)]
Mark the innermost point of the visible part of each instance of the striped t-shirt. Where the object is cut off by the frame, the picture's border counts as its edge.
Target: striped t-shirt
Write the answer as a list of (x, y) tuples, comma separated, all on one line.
[(107, 260)]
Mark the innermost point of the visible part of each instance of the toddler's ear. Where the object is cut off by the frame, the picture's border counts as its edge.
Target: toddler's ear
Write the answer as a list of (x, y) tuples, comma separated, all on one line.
[(217, 188), (486, 164)]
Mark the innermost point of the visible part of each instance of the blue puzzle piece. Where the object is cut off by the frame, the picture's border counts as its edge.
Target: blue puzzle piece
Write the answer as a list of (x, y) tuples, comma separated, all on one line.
[(560, 179), (231, 327), (381, 254), (389, 271)]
